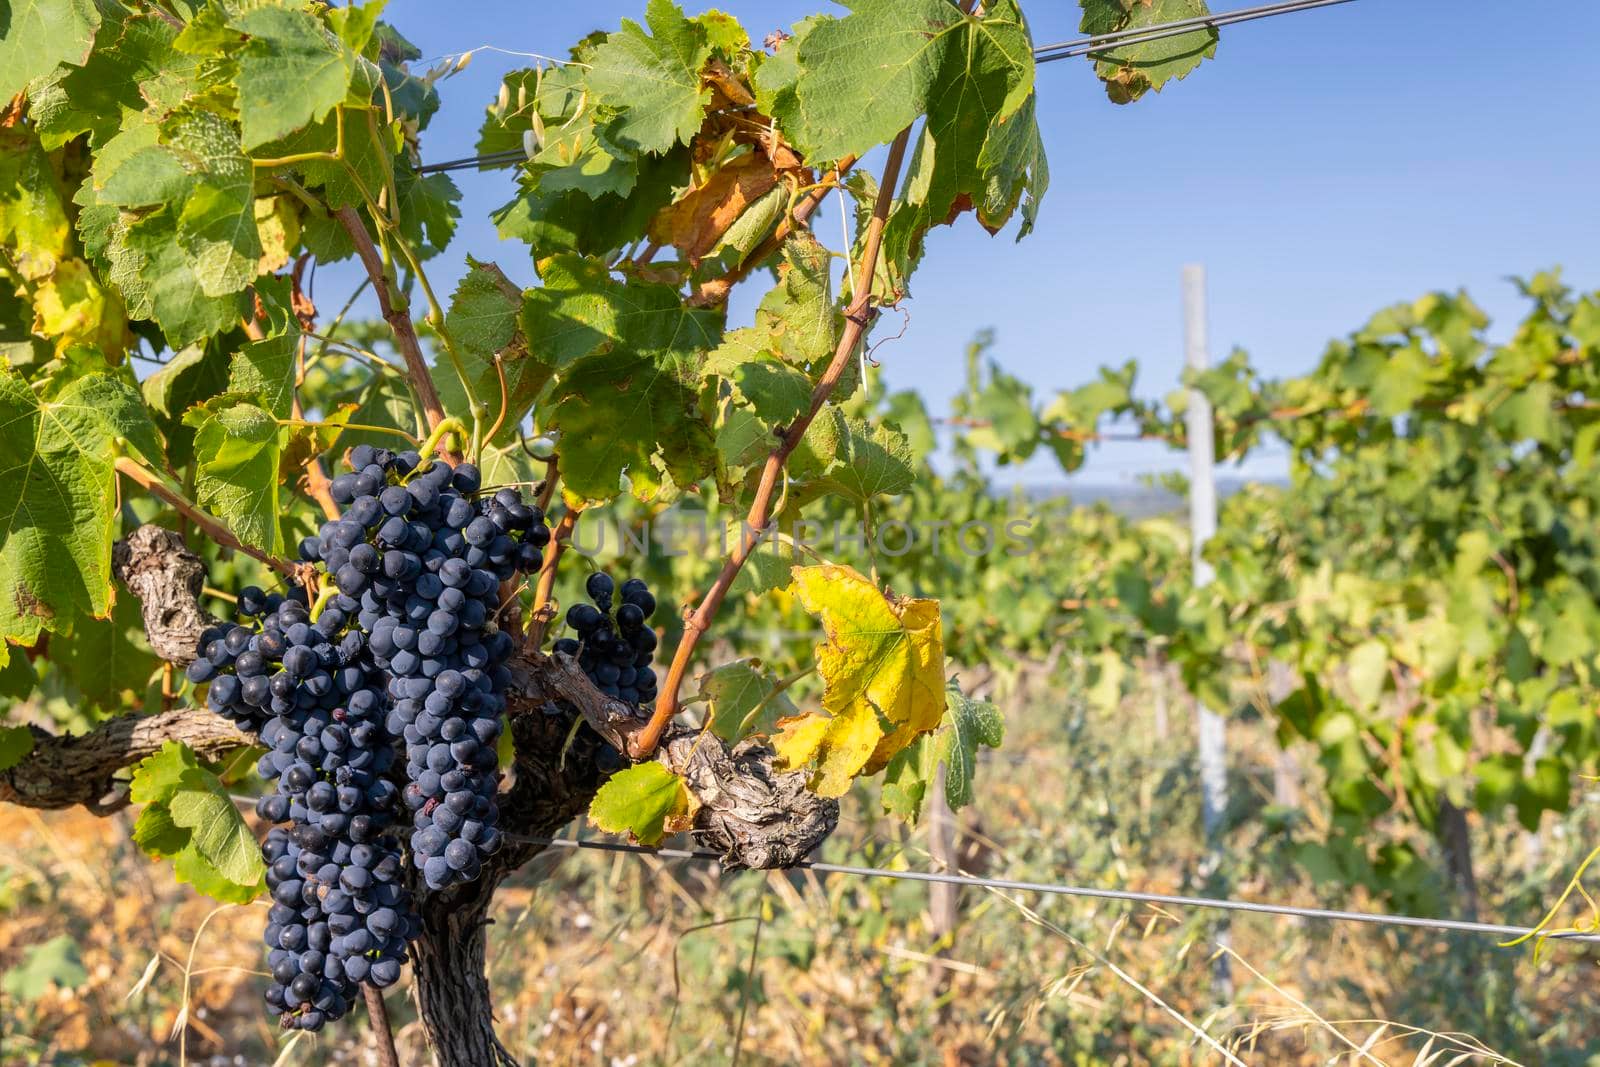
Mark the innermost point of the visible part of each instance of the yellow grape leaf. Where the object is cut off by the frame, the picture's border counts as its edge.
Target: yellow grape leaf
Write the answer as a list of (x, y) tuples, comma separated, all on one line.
[(278, 226), (70, 307), (882, 667), (840, 746)]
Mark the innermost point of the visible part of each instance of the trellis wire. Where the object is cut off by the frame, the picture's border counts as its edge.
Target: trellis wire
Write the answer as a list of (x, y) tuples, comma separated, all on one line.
[(1106, 42), (1082, 46), (1370, 918)]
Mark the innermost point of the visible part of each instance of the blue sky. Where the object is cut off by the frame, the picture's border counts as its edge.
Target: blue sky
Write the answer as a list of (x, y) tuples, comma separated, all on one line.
[(1325, 164)]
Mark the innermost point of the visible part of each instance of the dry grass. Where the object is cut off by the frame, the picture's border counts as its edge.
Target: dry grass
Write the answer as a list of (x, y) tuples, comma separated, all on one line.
[(615, 960)]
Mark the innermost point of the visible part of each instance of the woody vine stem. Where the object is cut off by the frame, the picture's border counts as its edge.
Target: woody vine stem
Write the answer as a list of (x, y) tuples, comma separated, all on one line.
[(857, 317)]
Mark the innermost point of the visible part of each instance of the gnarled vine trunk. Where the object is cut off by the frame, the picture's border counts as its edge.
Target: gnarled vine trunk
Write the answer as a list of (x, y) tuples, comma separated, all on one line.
[(453, 998)]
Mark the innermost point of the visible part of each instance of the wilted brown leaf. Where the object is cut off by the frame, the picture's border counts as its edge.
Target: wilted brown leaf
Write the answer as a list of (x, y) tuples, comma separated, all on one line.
[(697, 222)]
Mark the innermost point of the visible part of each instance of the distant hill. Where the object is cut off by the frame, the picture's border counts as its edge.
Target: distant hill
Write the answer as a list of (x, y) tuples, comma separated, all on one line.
[(1135, 501)]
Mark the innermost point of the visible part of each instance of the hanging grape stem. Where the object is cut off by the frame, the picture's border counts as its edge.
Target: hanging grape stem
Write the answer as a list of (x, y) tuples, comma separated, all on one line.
[(431, 444), (857, 317), (378, 1015)]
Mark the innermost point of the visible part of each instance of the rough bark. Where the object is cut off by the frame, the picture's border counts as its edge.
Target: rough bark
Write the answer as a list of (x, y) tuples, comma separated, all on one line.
[(167, 578), (63, 771), (756, 817)]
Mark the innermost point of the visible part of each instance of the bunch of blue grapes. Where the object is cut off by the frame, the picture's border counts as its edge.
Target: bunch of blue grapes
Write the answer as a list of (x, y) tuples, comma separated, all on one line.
[(615, 651), (421, 554), (341, 913), (401, 648)]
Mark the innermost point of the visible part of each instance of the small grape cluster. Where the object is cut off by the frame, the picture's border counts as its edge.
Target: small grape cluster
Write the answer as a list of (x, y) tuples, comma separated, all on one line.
[(615, 652), (401, 647)]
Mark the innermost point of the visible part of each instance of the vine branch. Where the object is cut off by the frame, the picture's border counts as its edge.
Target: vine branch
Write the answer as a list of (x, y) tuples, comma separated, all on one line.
[(399, 319), (539, 619), (857, 317), (63, 771), (212, 527)]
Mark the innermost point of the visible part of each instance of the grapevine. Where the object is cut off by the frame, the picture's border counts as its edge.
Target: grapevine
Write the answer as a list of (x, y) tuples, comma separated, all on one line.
[(397, 494)]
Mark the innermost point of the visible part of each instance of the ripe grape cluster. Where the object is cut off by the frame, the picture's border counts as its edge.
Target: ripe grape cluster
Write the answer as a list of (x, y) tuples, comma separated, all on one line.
[(614, 651), (401, 648), (340, 914)]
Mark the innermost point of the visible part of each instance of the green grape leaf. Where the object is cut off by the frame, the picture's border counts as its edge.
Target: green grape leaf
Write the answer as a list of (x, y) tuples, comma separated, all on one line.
[(968, 723), (383, 400), (158, 281), (574, 153), (202, 806), (207, 33), (189, 817), (581, 310), (40, 34), (621, 414), (776, 75), (220, 235), (799, 314), (775, 391), (483, 320), (216, 222), (291, 73), (770, 567), (108, 660), (1134, 69), (266, 369), (237, 449), (870, 461), (158, 776), (864, 78), (742, 440), (483, 310), (191, 867), (652, 81), (16, 742), (341, 181), (646, 801), (190, 376), (157, 835), (52, 964), (910, 774), (428, 210), (569, 220), (59, 496), (744, 700), (1016, 173), (979, 95)]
